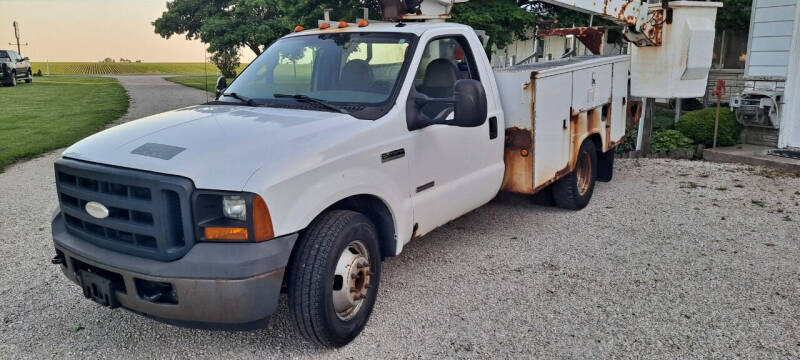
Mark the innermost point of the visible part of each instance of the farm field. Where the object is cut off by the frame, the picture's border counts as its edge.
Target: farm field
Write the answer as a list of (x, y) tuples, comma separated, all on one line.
[(196, 81), (124, 68), (55, 112)]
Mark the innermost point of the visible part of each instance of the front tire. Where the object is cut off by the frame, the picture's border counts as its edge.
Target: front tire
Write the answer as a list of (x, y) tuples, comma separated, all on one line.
[(13, 79), (575, 190), (29, 79), (333, 278)]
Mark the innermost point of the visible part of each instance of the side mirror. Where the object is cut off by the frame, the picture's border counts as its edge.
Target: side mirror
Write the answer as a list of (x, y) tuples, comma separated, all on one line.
[(222, 84), (26, 58), (468, 104)]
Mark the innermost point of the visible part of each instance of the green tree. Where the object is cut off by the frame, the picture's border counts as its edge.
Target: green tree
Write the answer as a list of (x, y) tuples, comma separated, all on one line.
[(306, 12), (734, 15), (225, 25), (227, 62), (503, 20)]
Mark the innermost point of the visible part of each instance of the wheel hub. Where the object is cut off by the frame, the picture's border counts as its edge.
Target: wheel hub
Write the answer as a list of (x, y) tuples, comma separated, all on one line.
[(351, 280), (584, 173)]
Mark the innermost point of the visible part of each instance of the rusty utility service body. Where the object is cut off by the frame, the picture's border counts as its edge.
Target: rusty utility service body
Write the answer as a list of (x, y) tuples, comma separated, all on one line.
[(336, 147)]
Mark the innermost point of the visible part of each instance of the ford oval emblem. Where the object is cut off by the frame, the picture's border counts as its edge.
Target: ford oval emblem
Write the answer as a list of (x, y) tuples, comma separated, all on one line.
[(96, 209)]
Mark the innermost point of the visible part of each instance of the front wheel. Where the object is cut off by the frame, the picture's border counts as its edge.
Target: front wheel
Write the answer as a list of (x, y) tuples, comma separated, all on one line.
[(29, 79), (13, 79), (333, 277), (575, 190)]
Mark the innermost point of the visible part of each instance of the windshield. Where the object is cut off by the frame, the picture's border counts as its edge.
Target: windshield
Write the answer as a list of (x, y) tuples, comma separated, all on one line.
[(4, 54), (343, 68)]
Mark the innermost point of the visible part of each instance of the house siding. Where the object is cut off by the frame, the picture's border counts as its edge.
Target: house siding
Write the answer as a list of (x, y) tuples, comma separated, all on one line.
[(770, 38)]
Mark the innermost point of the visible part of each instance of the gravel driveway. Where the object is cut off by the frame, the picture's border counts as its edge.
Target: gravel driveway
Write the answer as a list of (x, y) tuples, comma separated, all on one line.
[(672, 259)]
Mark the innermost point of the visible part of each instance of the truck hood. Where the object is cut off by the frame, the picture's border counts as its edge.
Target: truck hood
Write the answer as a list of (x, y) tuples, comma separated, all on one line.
[(216, 146)]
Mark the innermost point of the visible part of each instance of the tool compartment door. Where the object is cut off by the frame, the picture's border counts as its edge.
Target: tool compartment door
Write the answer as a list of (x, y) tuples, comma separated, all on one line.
[(591, 87), (619, 100), (552, 126)]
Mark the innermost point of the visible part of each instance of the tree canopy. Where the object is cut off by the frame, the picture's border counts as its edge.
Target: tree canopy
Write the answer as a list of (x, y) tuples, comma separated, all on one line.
[(735, 15), (225, 24), (503, 20)]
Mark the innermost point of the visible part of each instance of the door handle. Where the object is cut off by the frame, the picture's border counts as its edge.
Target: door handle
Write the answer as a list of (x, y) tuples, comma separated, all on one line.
[(493, 127)]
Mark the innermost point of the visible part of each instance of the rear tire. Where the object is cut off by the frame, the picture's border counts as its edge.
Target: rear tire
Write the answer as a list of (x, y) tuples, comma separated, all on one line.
[(333, 278), (575, 190), (605, 166)]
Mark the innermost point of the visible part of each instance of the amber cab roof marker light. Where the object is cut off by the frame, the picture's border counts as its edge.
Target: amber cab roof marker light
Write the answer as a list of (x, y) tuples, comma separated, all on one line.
[(363, 23), (342, 24), (298, 28), (324, 26)]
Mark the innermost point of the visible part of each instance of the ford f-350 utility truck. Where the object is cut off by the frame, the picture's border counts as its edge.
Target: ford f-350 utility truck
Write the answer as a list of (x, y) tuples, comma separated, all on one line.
[(331, 151)]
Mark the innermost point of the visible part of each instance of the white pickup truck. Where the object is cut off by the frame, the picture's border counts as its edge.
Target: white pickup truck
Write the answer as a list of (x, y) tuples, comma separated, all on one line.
[(331, 151)]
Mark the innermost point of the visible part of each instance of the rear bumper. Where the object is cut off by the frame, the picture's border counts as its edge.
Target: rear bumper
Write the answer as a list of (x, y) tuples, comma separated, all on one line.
[(216, 285), (5, 73)]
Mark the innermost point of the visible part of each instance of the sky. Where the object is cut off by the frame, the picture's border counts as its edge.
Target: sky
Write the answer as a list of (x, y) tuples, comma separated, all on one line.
[(92, 30)]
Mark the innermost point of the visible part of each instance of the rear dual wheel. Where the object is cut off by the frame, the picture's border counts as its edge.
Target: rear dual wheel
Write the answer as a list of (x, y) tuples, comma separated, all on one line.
[(333, 278), (575, 190)]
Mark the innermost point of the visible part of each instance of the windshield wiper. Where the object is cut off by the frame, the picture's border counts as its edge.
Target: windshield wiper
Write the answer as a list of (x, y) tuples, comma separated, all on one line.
[(241, 98), (306, 98)]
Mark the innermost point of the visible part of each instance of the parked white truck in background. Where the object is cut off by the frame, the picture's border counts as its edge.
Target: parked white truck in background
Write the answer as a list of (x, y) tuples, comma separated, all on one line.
[(335, 148)]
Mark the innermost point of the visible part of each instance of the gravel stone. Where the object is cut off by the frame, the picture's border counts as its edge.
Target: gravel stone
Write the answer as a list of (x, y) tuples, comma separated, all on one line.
[(652, 268)]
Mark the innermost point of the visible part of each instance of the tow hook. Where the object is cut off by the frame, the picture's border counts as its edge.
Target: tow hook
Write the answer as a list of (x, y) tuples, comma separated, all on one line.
[(58, 259)]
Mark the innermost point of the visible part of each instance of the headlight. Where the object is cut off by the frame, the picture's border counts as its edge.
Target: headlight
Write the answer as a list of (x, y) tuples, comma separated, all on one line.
[(234, 207), (224, 216)]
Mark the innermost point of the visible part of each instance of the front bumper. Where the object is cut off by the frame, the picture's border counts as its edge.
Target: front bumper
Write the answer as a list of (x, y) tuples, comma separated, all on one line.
[(216, 285)]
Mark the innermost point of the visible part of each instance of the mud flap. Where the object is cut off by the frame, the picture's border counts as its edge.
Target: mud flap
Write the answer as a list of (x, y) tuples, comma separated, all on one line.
[(544, 197)]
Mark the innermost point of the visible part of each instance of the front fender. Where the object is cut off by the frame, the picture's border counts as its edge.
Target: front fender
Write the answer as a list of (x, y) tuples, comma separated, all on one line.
[(295, 202)]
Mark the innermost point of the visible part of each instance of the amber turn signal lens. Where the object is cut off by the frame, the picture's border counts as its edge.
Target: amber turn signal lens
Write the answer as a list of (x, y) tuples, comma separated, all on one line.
[(523, 152), (299, 28), (342, 24), (226, 234), (262, 222), (363, 23), (324, 26)]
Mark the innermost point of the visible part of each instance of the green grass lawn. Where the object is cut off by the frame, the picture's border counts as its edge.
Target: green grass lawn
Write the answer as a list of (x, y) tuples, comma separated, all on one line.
[(54, 112), (123, 68), (197, 82)]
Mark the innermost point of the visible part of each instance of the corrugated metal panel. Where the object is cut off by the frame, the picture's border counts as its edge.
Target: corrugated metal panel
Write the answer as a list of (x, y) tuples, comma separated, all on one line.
[(771, 31)]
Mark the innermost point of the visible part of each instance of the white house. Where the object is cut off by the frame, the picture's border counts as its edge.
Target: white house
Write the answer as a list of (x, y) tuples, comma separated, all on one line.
[(769, 100)]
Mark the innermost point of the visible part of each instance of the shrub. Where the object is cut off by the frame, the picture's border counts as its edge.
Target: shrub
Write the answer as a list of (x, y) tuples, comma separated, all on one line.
[(630, 141), (699, 125), (668, 140), (38, 73)]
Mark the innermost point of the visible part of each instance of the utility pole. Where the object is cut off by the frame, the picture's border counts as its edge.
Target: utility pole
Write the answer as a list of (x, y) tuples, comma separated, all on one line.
[(16, 35)]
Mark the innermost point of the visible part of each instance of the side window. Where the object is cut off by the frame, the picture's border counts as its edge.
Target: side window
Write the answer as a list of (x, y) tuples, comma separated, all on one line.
[(444, 61)]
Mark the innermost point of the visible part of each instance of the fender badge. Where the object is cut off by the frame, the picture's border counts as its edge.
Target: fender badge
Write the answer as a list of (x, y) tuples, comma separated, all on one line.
[(96, 209)]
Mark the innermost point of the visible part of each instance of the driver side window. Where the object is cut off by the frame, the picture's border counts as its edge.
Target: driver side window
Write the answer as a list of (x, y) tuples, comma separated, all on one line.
[(444, 61)]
